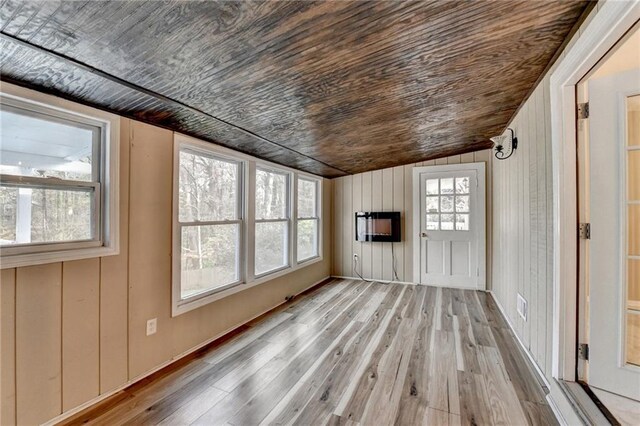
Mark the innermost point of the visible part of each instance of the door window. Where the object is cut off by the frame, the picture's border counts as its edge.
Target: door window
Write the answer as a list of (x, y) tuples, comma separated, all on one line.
[(448, 204)]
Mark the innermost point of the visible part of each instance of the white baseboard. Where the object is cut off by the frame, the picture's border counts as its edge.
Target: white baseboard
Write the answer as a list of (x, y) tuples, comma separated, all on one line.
[(556, 398), (108, 394)]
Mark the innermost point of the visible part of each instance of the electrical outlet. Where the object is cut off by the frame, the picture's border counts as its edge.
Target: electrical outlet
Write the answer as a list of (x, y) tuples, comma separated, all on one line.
[(152, 326), (522, 307), (355, 256)]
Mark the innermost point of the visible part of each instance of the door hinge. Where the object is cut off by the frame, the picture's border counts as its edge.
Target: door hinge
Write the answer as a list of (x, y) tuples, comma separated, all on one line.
[(584, 231), (583, 351), (583, 110), (477, 271)]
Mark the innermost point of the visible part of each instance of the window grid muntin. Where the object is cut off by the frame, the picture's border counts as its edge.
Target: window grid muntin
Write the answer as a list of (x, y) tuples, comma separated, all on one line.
[(454, 211)]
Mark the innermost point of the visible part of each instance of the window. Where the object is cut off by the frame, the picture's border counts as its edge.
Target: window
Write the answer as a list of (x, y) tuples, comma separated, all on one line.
[(236, 223), (56, 187), (308, 219), (272, 221), (209, 222), (448, 204)]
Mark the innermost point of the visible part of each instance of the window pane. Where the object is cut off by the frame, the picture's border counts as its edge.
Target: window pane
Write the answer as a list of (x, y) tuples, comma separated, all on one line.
[(271, 195), (432, 187), (462, 222), (433, 222), (446, 204), (446, 186), (633, 338), (462, 185), (34, 215), (307, 239), (633, 175), (446, 222), (43, 146), (433, 204), (209, 258), (271, 246), (307, 198), (633, 229), (208, 188), (462, 203)]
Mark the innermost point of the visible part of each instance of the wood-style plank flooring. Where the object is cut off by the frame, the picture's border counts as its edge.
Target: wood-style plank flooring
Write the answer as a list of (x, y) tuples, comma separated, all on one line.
[(349, 352)]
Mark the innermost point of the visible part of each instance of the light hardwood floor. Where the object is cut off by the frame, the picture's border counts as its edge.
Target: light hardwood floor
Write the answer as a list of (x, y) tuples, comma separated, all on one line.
[(349, 352)]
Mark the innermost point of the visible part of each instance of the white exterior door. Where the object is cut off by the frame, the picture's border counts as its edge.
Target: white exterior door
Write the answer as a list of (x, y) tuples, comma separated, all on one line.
[(450, 241), (614, 247)]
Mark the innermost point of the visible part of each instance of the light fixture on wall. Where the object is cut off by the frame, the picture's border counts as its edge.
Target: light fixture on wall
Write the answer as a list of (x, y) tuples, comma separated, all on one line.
[(503, 141)]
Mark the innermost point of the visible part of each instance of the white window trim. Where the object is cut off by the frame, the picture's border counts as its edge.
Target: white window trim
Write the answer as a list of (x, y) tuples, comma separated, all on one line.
[(109, 243), (317, 217), (266, 167), (180, 306)]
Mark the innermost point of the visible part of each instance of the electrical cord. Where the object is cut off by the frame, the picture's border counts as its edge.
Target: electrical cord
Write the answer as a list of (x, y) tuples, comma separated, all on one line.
[(394, 276)]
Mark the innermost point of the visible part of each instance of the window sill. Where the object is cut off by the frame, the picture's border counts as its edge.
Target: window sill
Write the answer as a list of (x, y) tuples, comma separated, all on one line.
[(189, 305), (31, 259)]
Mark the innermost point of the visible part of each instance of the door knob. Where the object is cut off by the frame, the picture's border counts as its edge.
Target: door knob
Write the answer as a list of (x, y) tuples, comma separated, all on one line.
[(423, 234)]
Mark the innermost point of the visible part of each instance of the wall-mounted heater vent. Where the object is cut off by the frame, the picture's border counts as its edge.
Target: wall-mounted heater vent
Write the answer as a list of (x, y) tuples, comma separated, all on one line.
[(522, 307)]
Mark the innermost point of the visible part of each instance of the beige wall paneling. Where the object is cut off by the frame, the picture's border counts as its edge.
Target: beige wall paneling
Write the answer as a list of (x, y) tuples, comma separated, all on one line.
[(522, 227), (387, 206), (38, 343), (7, 347), (350, 224), (150, 246), (346, 232), (408, 236), (376, 205), (80, 332), (398, 206), (367, 205), (114, 276), (337, 253)]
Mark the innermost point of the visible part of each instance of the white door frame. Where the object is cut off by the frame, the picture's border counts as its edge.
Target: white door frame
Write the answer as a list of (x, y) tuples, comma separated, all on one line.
[(612, 20), (480, 168)]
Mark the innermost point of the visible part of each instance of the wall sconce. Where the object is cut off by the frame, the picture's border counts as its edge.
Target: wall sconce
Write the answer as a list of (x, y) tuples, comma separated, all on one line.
[(503, 141)]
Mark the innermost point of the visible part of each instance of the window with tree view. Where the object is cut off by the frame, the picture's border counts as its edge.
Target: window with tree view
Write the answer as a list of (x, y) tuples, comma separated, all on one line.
[(272, 221), (307, 219), (50, 179), (209, 222)]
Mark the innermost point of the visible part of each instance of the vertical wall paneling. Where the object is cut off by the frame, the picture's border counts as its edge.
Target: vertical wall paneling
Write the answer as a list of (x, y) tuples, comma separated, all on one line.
[(114, 277), (38, 343), (80, 332), (387, 206), (7, 347), (377, 194), (338, 230), (398, 206), (389, 190), (349, 226), (408, 223), (150, 246), (523, 227), (367, 205), (347, 218)]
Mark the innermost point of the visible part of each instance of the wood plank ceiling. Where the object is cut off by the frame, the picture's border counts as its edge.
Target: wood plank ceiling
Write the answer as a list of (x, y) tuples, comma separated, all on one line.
[(331, 88)]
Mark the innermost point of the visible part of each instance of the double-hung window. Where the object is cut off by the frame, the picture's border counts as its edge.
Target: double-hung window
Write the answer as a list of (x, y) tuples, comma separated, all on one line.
[(210, 223), (237, 222), (308, 219), (271, 220), (53, 194)]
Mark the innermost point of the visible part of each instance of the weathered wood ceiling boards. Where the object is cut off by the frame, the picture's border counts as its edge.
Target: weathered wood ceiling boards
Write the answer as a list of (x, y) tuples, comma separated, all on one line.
[(329, 87)]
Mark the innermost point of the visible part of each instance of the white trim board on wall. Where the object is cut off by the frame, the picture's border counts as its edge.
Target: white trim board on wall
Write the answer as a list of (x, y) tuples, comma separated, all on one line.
[(613, 19), (610, 23)]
